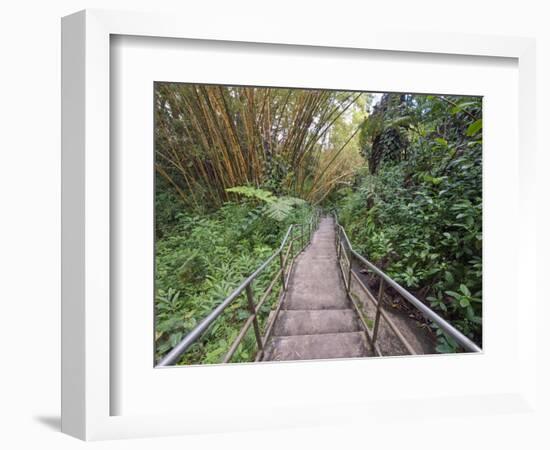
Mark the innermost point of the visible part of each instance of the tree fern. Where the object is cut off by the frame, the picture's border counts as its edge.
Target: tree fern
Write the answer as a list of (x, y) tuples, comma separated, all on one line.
[(276, 208), (252, 192)]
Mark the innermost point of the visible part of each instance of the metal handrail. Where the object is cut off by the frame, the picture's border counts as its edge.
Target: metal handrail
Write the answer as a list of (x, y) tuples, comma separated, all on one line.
[(175, 354), (427, 312)]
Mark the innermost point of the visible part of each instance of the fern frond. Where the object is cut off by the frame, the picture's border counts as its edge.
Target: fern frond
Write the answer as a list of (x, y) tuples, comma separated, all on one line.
[(294, 201), (252, 192), (278, 210)]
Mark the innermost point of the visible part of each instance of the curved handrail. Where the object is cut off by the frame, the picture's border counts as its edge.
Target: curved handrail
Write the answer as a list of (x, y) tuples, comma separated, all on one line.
[(174, 355), (426, 311)]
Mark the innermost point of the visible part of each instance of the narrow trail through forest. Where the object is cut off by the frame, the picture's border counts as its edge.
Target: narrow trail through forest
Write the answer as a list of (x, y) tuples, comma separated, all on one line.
[(317, 319), (242, 175)]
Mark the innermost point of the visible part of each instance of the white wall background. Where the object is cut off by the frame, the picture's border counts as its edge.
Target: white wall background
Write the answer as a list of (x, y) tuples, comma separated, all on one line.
[(30, 196)]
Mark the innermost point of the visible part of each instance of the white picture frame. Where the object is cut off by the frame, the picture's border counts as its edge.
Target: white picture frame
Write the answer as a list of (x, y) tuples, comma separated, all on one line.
[(87, 384)]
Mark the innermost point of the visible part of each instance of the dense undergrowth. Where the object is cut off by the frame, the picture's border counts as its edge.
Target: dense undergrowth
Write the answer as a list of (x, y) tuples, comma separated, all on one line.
[(418, 215), (200, 259), (236, 166)]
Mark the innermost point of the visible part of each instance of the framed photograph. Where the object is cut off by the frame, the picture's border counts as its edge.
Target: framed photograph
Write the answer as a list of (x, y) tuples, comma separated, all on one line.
[(256, 224)]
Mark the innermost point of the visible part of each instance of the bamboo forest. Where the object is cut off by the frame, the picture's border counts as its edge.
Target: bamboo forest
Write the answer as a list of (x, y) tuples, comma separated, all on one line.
[(295, 224)]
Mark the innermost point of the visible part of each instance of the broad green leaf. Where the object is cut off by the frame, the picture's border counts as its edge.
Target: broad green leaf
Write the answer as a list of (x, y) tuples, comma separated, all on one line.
[(453, 294), (474, 127), (464, 289), (449, 277)]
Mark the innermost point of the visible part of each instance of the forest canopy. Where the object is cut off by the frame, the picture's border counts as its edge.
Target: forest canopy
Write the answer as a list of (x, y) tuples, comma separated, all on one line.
[(236, 165), (291, 141)]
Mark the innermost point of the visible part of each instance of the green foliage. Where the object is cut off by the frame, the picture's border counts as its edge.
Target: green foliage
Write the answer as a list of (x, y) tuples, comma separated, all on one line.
[(412, 202), (200, 259), (276, 208), (419, 216), (384, 135), (474, 128), (252, 192)]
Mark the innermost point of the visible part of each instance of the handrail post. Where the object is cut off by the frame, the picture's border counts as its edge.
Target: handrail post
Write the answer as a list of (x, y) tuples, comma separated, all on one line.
[(378, 310), (348, 287), (252, 309), (339, 243), (292, 244), (282, 260)]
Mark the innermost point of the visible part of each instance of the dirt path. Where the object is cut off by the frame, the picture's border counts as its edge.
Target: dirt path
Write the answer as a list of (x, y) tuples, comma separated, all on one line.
[(416, 332)]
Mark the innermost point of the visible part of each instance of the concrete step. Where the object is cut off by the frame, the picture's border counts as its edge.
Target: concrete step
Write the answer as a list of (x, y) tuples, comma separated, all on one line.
[(316, 264), (316, 279), (316, 320), (317, 346), (324, 286), (299, 322), (311, 301)]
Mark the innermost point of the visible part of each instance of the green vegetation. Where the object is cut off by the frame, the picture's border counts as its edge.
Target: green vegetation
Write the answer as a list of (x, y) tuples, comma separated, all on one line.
[(201, 259), (415, 209), (235, 166)]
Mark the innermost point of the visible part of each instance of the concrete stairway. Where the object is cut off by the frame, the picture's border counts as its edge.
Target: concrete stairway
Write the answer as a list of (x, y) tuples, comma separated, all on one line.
[(317, 320)]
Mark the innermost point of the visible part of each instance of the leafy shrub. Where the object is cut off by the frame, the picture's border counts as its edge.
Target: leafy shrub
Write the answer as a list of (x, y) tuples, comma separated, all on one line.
[(200, 260), (420, 217)]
